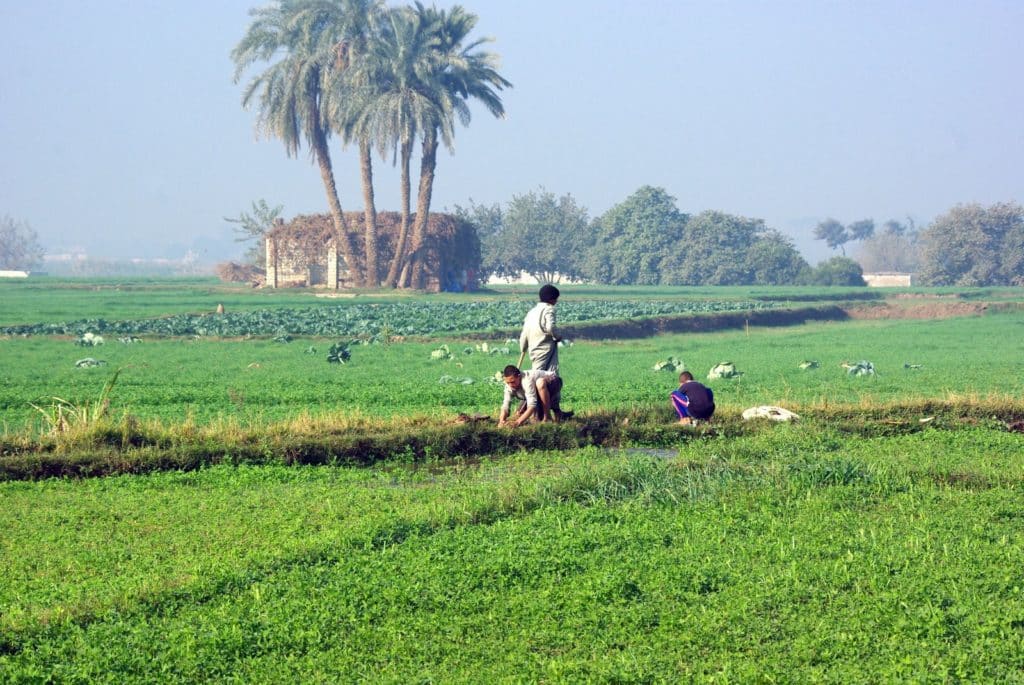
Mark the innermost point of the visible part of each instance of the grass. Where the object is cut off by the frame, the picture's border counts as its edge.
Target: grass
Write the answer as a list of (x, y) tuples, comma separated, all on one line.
[(858, 544), (260, 381), (789, 553)]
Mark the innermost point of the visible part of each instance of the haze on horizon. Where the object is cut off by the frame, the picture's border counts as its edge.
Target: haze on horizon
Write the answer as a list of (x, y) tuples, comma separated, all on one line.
[(123, 134)]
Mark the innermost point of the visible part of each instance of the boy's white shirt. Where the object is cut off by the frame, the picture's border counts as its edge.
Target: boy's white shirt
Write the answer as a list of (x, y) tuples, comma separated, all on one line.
[(539, 328)]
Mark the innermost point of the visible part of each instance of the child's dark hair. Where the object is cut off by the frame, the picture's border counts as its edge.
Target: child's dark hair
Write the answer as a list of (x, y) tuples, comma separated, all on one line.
[(510, 371), (548, 293), (685, 376)]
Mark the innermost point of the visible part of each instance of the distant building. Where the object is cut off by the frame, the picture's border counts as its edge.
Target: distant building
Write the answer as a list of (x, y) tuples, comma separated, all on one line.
[(12, 273), (889, 279), (302, 252)]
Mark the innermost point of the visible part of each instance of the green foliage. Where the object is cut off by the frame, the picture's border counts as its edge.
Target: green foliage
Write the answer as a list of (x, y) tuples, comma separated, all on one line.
[(670, 364), (253, 226), (62, 417), (861, 368), (488, 222), (972, 245), (635, 238), (174, 379), (338, 353), (833, 233), (647, 240), (537, 233), (774, 260), (724, 370), (379, 320), (714, 250), (838, 271), (871, 559), (442, 353)]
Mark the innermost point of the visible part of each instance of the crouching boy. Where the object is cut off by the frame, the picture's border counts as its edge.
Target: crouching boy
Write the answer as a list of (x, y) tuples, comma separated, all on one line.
[(535, 391), (693, 401)]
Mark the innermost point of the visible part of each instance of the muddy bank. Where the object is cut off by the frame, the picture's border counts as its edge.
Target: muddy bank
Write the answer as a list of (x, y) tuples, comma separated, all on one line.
[(928, 310), (644, 328)]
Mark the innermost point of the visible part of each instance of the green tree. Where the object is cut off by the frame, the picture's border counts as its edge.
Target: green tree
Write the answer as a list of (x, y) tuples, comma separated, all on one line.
[(836, 235), (833, 233), (253, 226), (393, 104), (634, 238), (357, 24), (837, 271), (459, 73), (861, 230), (19, 245), (971, 245), (541, 235), (488, 220), (714, 250), (774, 260), (301, 40)]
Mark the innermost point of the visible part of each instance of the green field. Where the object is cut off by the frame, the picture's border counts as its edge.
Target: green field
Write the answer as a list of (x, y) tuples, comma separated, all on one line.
[(259, 379), (877, 539)]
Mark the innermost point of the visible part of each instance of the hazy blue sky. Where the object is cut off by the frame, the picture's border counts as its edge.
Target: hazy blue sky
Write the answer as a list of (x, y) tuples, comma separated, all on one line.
[(121, 130)]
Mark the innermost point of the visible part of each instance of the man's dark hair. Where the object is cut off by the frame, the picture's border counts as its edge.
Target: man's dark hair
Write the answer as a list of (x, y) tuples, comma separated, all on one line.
[(549, 293), (685, 376), (511, 370)]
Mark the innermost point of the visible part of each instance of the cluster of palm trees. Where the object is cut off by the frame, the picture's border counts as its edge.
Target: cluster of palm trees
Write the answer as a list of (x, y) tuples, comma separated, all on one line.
[(379, 78)]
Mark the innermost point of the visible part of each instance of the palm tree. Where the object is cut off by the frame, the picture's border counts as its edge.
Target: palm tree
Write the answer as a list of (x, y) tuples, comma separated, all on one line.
[(306, 39), (458, 73), (359, 23), (395, 103)]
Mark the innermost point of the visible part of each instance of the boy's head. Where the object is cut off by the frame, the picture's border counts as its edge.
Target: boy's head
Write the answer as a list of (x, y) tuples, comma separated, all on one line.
[(512, 376), (685, 377), (549, 293)]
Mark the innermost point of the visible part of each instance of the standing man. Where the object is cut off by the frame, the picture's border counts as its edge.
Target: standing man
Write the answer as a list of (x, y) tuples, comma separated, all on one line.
[(540, 339)]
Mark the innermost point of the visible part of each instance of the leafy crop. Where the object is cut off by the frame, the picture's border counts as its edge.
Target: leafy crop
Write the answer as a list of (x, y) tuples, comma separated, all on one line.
[(724, 370), (339, 353), (382, 320), (89, 339), (861, 368), (670, 364)]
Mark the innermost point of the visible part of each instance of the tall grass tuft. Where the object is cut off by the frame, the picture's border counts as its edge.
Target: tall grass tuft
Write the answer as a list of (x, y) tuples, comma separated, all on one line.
[(63, 419)]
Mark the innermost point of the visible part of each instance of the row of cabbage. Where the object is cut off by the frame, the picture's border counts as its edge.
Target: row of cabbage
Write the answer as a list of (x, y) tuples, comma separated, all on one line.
[(382, 319)]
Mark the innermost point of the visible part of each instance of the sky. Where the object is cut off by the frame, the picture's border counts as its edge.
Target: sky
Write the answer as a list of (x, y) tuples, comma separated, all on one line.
[(122, 132)]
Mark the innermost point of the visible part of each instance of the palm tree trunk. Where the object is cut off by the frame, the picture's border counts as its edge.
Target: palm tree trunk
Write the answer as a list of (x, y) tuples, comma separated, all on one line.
[(342, 237), (419, 230), (371, 276), (403, 230)]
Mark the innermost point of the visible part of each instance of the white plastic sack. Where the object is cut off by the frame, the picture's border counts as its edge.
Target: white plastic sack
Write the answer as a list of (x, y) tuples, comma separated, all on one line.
[(771, 413)]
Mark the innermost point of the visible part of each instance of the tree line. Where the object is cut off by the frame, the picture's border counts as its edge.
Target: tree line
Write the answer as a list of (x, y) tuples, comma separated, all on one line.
[(643, 240), (647, 240)]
